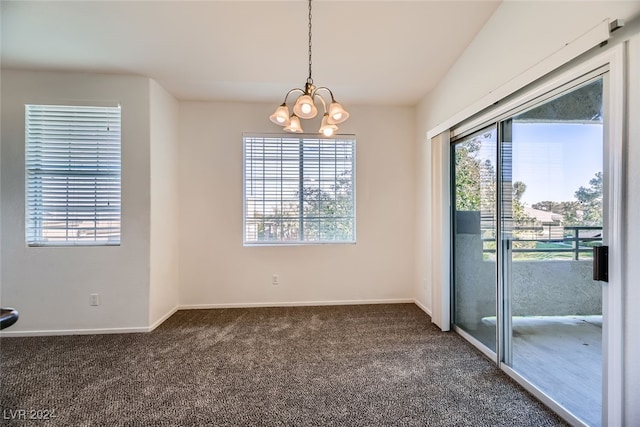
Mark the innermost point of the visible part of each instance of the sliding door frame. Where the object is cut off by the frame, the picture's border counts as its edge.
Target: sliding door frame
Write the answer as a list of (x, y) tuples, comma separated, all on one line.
[(614, 105)]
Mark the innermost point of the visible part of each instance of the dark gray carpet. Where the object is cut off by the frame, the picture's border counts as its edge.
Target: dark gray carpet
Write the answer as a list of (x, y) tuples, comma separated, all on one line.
[(369, 365)]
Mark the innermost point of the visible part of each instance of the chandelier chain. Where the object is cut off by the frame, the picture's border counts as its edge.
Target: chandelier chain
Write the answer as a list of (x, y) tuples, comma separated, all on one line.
[(309, 79)]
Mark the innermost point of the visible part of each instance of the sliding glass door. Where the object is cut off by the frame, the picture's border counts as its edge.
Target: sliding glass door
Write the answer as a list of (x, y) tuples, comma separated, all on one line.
[(522, 284), (474, 235), (553, 219)]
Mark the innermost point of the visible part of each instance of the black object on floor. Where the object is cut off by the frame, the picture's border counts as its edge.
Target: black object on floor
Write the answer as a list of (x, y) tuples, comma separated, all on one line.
[(8, 316)]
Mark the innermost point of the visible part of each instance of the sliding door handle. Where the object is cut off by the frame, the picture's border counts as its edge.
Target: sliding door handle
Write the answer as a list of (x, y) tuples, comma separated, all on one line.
[(601, 263)]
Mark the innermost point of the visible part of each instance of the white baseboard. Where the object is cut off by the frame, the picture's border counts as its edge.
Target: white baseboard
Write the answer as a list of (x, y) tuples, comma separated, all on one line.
[(295, 303), (170, 313), (162, 319), (43, 333), (422, 307), (55, 332)]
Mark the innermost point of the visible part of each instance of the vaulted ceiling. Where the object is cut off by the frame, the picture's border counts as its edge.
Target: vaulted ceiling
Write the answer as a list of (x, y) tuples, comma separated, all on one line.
[(367, 52)]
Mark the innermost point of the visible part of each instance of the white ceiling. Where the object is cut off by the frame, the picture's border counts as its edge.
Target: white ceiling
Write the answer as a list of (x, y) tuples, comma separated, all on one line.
[(367, 52)]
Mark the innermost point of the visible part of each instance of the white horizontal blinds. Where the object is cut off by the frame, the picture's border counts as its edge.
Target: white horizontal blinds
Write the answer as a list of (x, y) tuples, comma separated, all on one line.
[(328, 190), (272, 178), (73, 164), (299, 189)]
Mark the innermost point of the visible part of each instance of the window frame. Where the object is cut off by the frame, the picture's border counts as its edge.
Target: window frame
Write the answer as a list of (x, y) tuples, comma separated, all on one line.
[(301, 137), (109, 172)]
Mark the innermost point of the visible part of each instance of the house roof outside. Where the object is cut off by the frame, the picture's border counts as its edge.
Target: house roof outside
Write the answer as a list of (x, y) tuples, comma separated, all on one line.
[(544, 217)]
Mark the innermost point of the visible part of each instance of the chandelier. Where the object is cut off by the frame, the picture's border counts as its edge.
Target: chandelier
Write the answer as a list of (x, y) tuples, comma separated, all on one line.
[(305, 108)]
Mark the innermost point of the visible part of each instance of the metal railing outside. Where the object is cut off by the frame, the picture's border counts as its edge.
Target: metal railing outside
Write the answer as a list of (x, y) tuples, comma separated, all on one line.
[(574, 240)]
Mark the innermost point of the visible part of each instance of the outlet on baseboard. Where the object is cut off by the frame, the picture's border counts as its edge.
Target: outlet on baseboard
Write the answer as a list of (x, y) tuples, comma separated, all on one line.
[(95, 299), (275, 280)]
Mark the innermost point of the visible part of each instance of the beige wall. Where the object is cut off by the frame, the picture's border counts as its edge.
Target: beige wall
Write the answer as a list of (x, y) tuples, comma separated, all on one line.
[(163, 274), (215, 268), (50, 286), (518, 35), (423, 197), (139, 282)]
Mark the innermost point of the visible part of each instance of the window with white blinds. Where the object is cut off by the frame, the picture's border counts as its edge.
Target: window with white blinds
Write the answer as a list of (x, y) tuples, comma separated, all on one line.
[(299, 189), (73, 162)]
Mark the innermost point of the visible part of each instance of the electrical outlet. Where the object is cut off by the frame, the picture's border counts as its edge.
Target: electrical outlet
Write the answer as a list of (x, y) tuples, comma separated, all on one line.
[(275, 280), (95, 299)]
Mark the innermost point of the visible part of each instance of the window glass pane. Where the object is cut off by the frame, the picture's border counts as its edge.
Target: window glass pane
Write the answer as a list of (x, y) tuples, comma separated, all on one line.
[(299, 189), (554, 218), (475, 227)]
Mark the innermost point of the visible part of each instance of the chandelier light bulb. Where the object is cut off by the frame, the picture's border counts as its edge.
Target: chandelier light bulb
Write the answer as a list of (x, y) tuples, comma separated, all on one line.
[(327, 132), (326, 128)]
